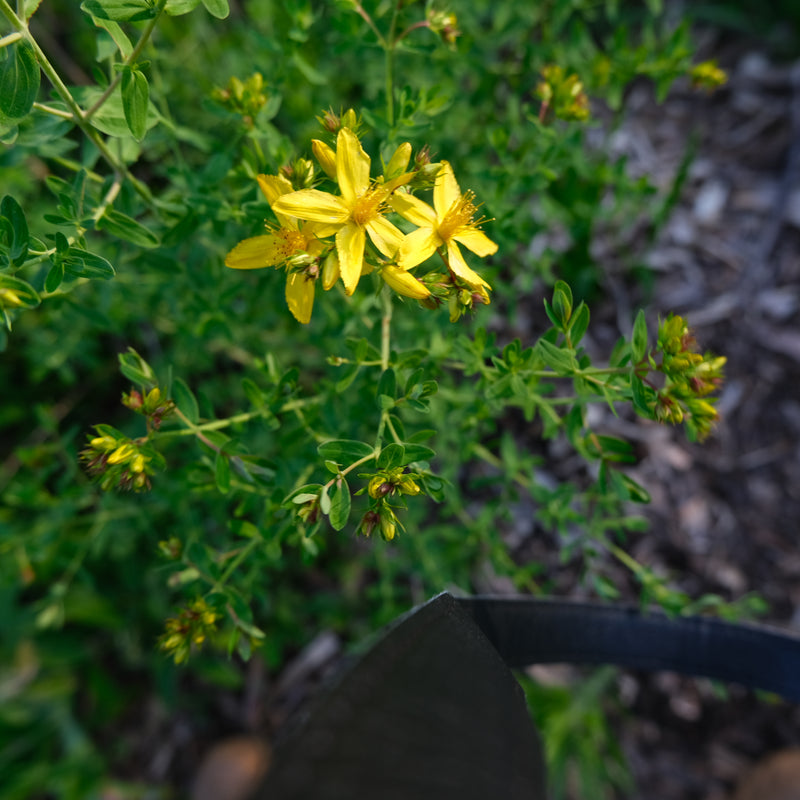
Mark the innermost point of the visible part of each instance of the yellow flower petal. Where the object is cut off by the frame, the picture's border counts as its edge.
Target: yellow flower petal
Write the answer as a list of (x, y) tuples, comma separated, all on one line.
[(326, 157), (386, 237), (445, 190), (350, 241), (460, 268), (404, 282), (476, 240), (314, 205), (414, 210), (399, 160), (255, 253), (330, 271), (273, 187), (352, 166), (417, 246), (320, 230), (300, 296)]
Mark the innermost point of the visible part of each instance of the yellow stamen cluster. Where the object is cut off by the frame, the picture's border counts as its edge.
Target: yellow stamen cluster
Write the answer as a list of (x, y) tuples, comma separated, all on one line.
[(346, 233), (459, 215), (369, 205)]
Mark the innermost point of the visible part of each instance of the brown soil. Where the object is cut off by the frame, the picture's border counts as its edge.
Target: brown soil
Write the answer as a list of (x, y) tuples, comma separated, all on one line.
[(725, 513)]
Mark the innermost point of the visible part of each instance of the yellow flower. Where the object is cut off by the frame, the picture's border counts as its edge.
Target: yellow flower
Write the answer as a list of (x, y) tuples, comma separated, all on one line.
[(292, 245), (404, 282), (358, 211), (8, 297), (449, 222)]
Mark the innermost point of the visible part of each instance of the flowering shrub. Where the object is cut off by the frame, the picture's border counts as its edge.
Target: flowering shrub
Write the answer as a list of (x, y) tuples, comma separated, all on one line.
[(266, 449)]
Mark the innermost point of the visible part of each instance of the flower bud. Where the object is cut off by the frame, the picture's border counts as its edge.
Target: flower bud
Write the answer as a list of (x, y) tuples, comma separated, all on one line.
[(399, 161), (388, 528), (326, 157), (330, 271)]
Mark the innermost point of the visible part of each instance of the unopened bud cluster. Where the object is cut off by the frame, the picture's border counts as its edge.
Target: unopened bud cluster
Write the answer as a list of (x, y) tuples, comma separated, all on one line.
[(690, 378), (152, 405), (245, 98), (118, 462), (445, 25), (191, 627), (562, 95), (382, 487), (707, 75)]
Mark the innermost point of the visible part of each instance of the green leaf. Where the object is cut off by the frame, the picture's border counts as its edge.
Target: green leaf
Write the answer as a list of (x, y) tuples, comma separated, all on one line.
[(340, 505), (222, 472), (135, 96), (17, 293), (217, 8), (393, 455), (636, 492), (136, 369), (639, 338), (30, 8), (116, 33), (110, 117), (119, 10), (177, 7), (562, 362), (324, 501), (19, 80), (349, 377), (641, 396), (127, 228), (578, 324), (55, 276), (344, 449), (417, 452), (301, 495), (185, 400), (312, 75), (11, 213), (82, 264), (562, 302)]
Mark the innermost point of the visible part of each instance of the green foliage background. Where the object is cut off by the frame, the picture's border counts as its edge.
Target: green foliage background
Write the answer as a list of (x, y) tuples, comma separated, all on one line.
[(87, 578)]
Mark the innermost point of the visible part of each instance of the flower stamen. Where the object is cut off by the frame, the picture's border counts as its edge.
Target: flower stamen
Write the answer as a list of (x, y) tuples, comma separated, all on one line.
[(368, 206), (458, 215)]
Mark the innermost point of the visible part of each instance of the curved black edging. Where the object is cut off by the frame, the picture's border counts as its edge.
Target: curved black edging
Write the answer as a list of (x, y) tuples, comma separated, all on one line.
[(431, 710), (529, 631)]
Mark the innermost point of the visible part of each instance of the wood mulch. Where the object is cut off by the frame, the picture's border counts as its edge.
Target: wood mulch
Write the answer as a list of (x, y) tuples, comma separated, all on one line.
[(725, 513)]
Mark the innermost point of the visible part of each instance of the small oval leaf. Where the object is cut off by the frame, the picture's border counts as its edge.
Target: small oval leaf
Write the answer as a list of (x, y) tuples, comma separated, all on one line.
[(185, 400), (135, 97), (342, 449), (19, 80)]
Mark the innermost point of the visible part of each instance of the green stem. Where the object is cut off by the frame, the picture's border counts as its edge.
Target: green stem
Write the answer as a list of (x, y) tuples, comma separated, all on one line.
[(386, 327), (131, 59), (359, 9), (78, 115), (241, 555), (107, 200), (56, 112), (10, 39), (193, 429), (389, 48), (349, 469), (390, 85)]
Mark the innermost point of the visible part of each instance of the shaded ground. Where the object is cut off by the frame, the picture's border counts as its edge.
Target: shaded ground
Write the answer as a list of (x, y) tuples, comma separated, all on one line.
[(725, 514)]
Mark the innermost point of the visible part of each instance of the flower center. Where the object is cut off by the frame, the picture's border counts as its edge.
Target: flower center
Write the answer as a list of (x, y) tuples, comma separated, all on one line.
[(290, 242), (368, 206), (459, 215)]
